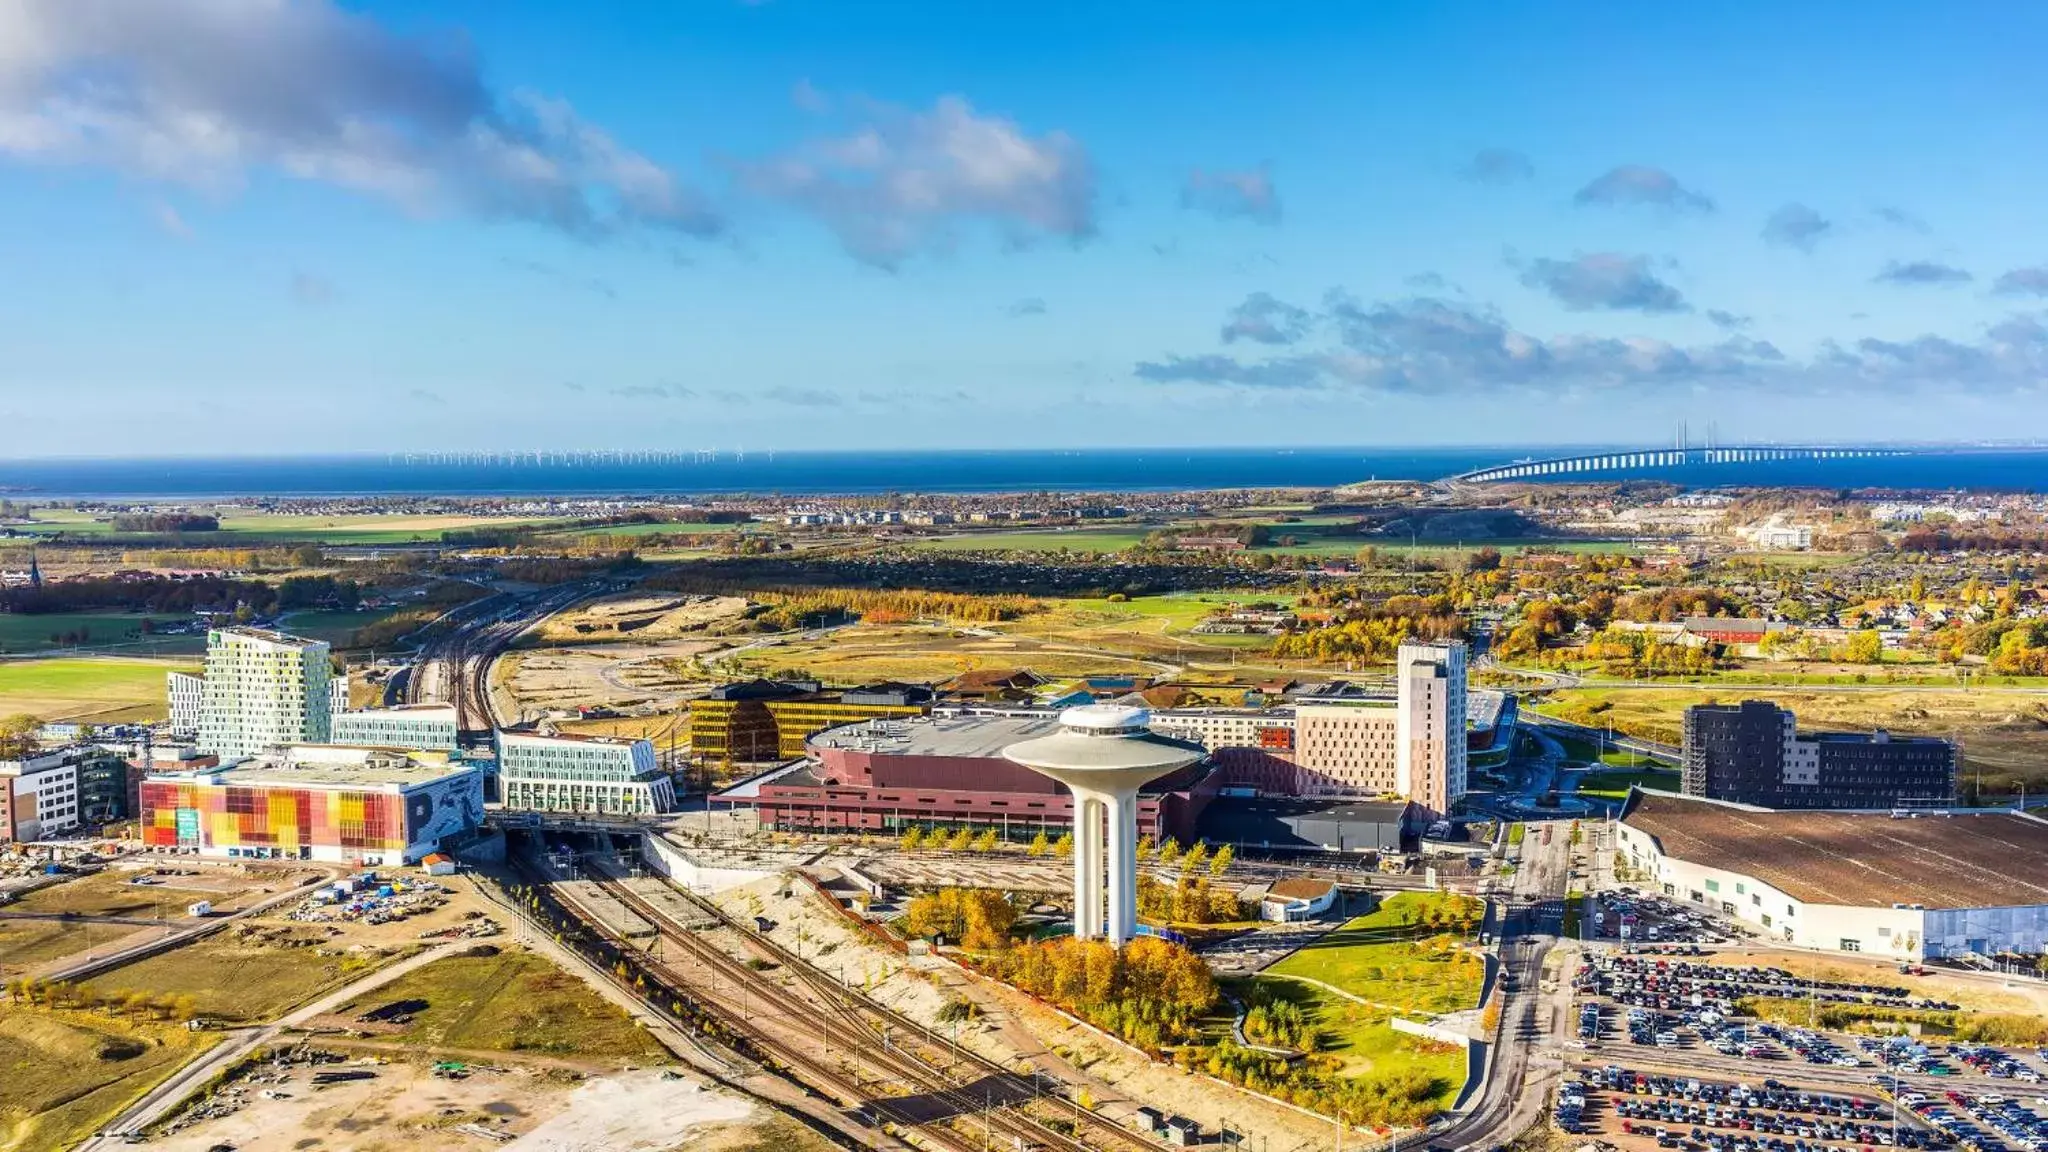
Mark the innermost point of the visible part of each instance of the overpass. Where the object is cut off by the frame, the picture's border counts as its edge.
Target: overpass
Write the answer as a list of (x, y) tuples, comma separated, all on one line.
[(1625, 460)]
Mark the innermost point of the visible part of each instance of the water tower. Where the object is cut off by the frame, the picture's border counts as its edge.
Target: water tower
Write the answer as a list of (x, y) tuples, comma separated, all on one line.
[(1104, 753)]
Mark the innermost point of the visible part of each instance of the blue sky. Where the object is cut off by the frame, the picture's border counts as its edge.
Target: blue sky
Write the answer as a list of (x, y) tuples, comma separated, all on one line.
[(260, 226)]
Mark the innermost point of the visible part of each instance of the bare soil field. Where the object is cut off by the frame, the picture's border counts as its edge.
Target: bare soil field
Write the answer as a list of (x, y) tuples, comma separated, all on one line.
[(406, 1106), (640, 617), (609, 675)]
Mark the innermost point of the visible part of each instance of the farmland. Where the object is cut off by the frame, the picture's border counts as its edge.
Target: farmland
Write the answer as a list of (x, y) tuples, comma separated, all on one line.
[(99, 690), (97, 630)]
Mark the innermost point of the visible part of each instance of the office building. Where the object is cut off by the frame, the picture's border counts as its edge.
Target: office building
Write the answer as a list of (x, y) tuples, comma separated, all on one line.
[(1752, 753), (425, 727), (188, 696), (598, 775), (357, 806), (39, 793), (1920, 885), (263, 690), (762, 720)]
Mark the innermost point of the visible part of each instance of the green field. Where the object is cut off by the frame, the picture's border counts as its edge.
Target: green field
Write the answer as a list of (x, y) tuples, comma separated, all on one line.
[(1359, 1037), (101, 690), (1615, 785), (334, 627), (70, 1071), (257, 527), (1374, 958), (511, 1002), (117, 630), (647, 529), (1074, 540)]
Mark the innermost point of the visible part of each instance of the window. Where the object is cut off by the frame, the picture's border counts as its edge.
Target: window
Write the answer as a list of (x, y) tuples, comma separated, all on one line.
[(1740, 888), (1713, 885)]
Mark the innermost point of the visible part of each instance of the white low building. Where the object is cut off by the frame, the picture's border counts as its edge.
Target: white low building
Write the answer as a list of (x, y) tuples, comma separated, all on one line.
[(1908, 885), (423, 727), (599, 775), (1289, 901)]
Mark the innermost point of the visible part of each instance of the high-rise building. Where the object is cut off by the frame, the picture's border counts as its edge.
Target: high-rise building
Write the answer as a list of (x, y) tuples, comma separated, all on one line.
[(1411, 746), (1752, 753), (1430, 707), (263, 690)]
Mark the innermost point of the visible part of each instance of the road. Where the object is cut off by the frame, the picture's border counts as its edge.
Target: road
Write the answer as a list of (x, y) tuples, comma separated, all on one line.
[(1523, 1061), (194, 929), (158, 1104)]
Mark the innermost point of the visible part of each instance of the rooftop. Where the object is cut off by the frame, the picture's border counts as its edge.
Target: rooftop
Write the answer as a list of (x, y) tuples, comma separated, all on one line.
[(269, 636), (1104, 744), (332, 766), (970, 736), (565, 737), (1863, 859)]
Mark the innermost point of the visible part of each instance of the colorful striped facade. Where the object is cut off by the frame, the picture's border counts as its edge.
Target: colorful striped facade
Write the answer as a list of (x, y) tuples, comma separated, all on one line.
[(284, 819)]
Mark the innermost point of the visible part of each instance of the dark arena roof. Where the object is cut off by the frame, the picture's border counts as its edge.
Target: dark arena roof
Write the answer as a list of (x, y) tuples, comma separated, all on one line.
[(1987, 859)]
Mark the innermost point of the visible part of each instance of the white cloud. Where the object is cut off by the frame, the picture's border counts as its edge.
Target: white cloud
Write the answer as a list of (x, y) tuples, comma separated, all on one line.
[(904, 180), (204, 92)]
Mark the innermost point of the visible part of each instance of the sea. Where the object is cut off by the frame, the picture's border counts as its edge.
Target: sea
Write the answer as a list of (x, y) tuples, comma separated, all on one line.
[(696, 474)]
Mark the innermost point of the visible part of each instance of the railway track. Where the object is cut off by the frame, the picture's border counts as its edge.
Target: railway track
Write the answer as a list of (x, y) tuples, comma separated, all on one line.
[(959, 1082)]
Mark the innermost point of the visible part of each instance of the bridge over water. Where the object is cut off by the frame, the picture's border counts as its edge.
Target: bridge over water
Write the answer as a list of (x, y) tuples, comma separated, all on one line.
[(1627, 460)]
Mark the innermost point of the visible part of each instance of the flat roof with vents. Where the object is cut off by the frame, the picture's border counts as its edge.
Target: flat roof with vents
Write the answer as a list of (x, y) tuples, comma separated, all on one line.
[(1988, 859)]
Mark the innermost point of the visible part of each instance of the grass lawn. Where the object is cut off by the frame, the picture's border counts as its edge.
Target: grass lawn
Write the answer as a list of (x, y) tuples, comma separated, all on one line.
[(101, 690), (512, 1002), (1360, 1038), (95, 630), (68, 1072), (1615, 785), (237, 979), (1370, 958), (334, 627)]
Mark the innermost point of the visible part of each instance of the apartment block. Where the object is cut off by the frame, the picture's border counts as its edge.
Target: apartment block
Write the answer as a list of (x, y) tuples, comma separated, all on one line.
[(263, 690)]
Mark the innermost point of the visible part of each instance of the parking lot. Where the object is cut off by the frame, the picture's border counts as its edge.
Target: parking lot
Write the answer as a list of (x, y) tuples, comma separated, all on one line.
[(1629, 915), (1642, 1109), (1982, 1122)]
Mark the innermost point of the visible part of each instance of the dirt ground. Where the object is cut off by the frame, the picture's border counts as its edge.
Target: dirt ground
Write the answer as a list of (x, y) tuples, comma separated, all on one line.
[(1014, 1028), (406, 1107), (619, 675), (637, 616)]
